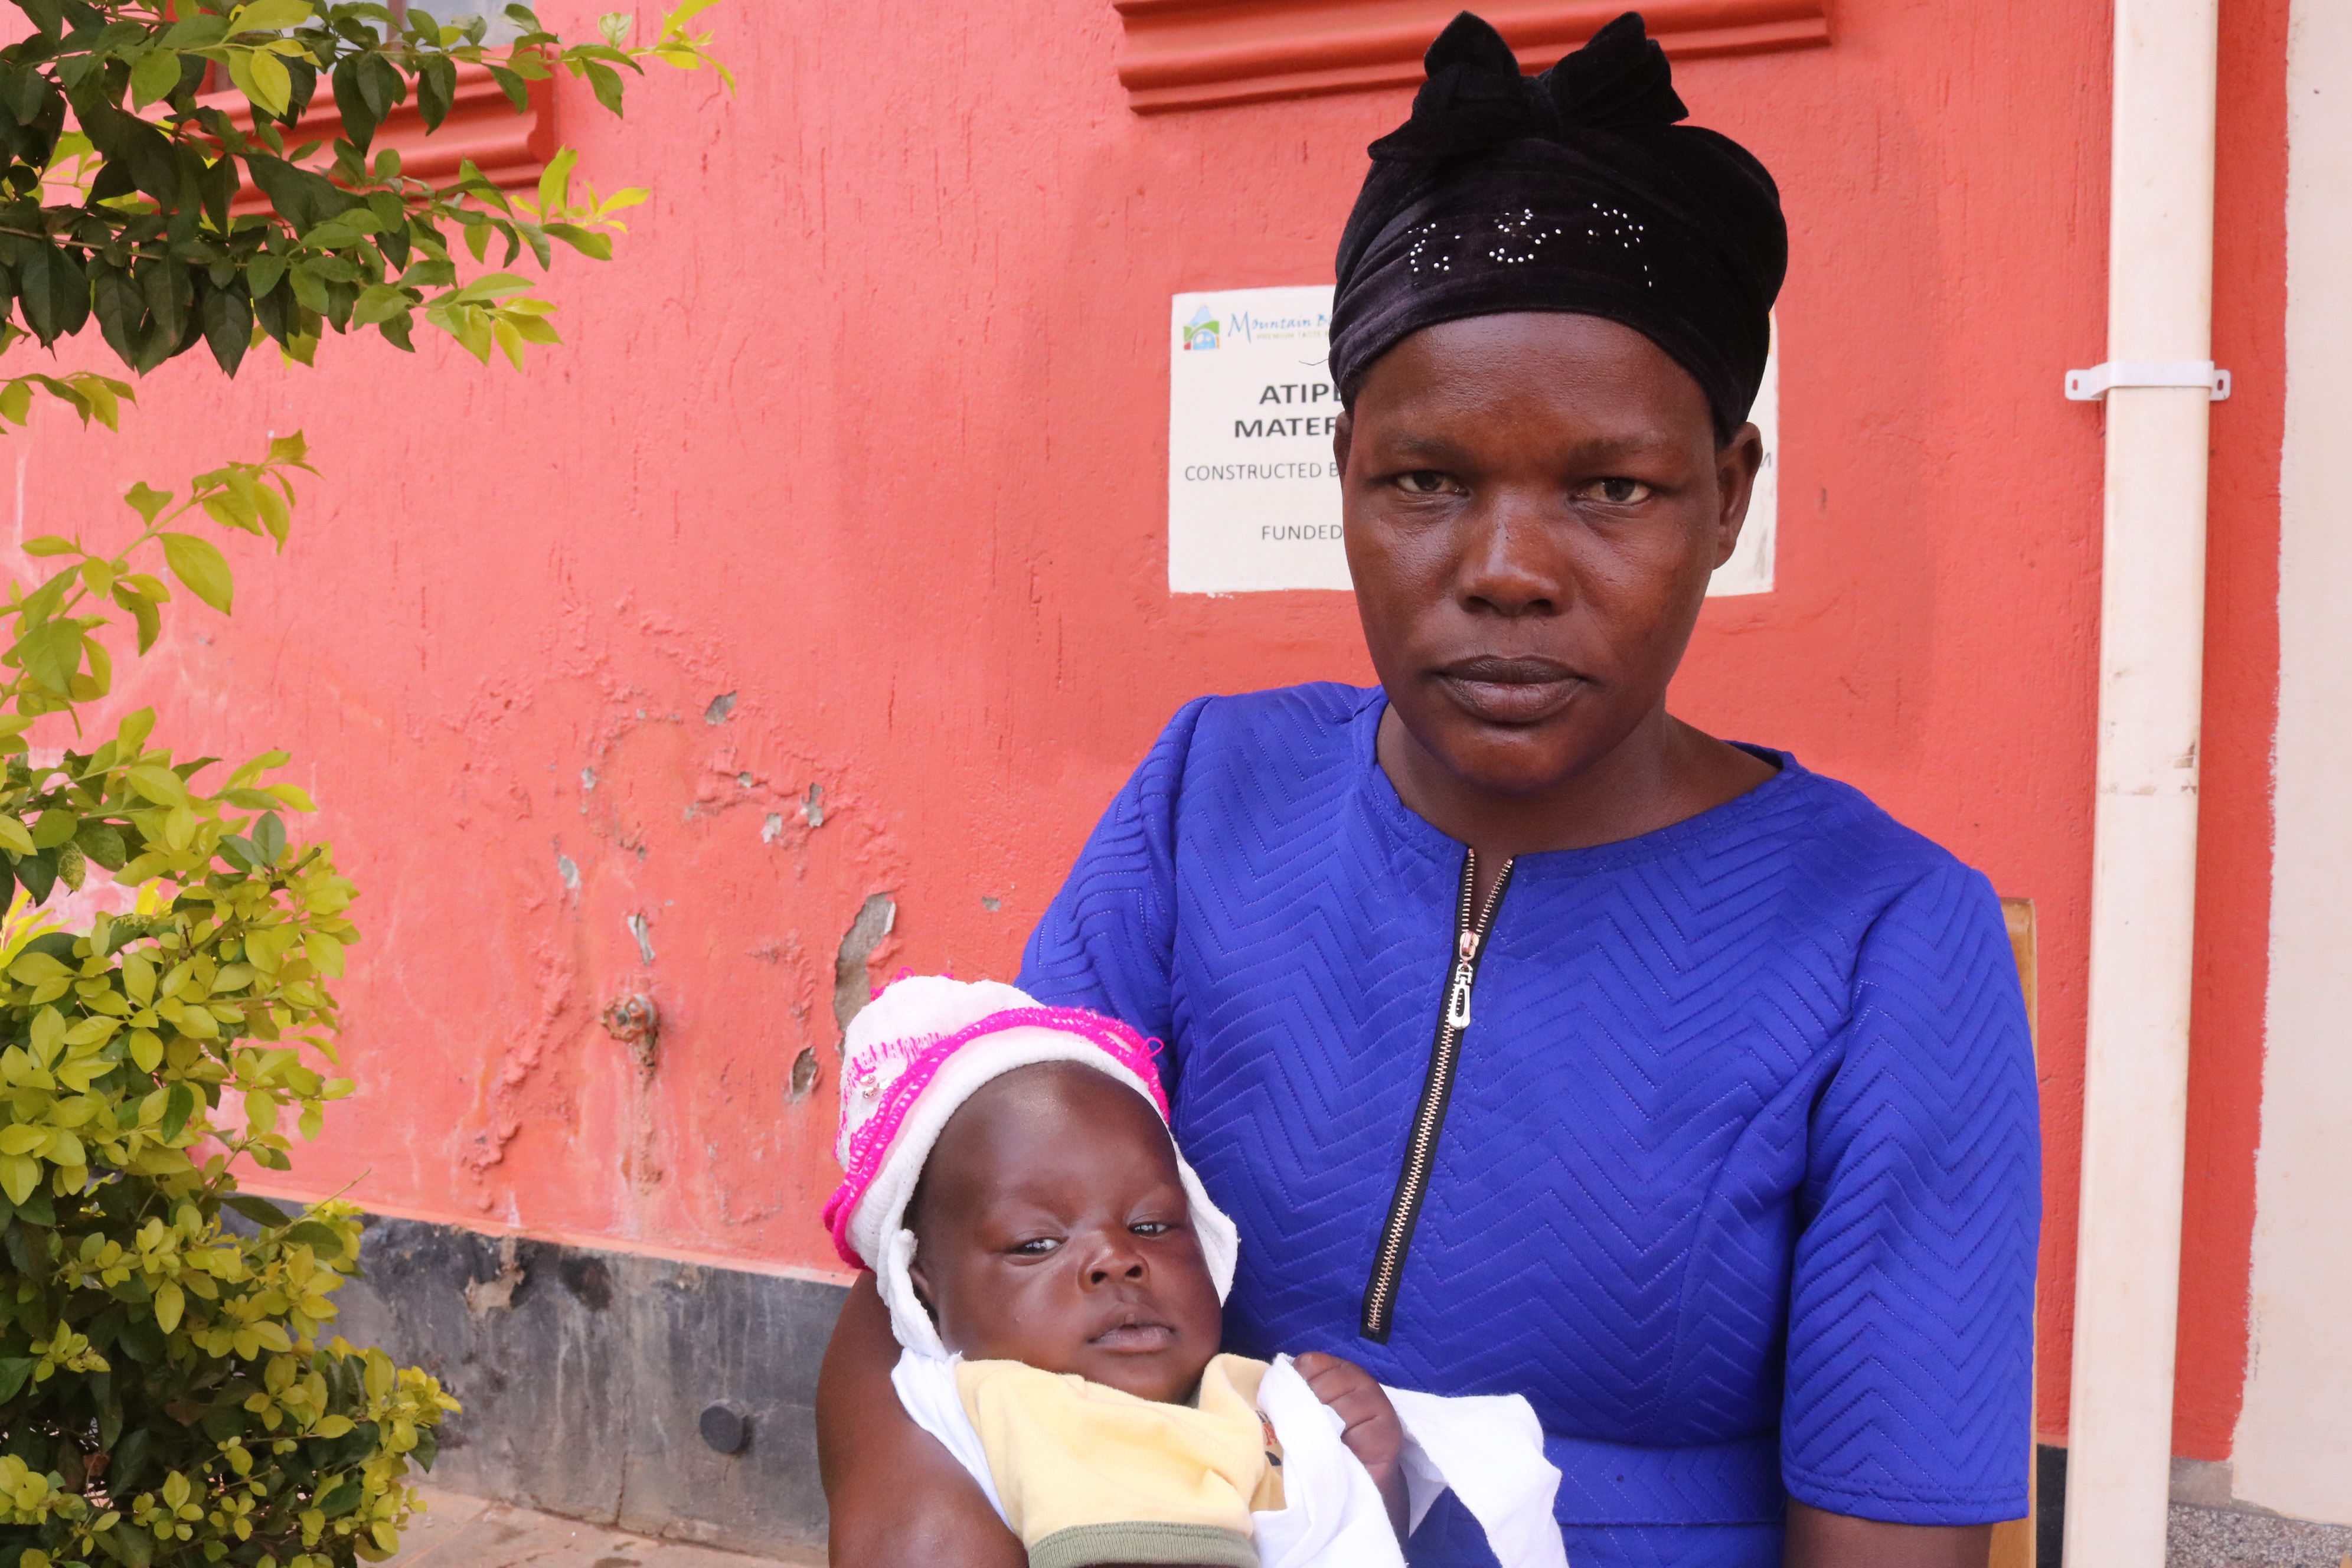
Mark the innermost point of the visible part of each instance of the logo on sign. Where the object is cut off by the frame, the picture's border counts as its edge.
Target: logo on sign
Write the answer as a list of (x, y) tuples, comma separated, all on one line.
[(1200, 332)]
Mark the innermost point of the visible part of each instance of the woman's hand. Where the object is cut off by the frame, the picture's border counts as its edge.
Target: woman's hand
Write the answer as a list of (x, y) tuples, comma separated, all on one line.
[(1818, 1539), (897, 1498), (1372, 1432)]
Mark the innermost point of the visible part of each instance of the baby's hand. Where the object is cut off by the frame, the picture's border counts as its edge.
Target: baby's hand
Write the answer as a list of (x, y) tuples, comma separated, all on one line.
[(1372, 1432)]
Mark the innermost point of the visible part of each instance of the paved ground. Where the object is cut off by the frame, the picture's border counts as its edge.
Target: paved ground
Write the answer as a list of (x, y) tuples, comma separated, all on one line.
[(2223, 1537), (461, 1531)]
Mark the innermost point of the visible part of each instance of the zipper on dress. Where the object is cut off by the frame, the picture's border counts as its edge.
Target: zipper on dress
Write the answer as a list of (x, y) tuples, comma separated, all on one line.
[(1421, 1149)]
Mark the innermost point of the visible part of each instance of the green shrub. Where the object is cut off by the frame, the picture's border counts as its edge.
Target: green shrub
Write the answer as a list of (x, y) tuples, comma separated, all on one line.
[(166, 1394), (168, 1390)]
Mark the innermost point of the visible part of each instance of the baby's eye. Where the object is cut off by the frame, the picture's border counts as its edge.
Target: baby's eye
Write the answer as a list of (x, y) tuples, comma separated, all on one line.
[(1617, 491), (1036, 1246)]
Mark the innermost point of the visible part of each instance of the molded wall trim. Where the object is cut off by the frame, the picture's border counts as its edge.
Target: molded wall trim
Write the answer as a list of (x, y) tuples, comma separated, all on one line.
[(482, 127), (1192, 53)]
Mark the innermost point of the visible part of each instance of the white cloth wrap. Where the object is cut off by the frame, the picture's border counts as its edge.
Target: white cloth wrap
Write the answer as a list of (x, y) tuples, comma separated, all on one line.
[(1488, 1449)]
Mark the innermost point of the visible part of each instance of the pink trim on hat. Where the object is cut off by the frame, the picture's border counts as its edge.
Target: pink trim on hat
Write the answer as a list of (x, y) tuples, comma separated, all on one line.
[(869, 1144)]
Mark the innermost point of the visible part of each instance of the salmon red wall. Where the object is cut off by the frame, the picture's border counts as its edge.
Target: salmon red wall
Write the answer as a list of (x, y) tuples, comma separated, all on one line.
[(864, 431)]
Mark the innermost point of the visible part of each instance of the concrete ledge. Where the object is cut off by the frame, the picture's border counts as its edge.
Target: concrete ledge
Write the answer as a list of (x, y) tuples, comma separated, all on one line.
[(585, 1375)]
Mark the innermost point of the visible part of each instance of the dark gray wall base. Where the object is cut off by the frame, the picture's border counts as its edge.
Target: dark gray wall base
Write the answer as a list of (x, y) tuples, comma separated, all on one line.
[(585, 1376), (2049, 1505)]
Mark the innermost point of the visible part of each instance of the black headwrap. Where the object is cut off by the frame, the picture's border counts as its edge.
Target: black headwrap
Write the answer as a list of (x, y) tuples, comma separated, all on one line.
[(1574, 191)]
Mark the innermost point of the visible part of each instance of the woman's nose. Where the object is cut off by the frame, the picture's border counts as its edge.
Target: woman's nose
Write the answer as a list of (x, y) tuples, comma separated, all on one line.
[(1510, 560)]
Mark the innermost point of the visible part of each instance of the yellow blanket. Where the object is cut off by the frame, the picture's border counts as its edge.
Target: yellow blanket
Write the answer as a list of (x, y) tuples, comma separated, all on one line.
[(1090, 1475)]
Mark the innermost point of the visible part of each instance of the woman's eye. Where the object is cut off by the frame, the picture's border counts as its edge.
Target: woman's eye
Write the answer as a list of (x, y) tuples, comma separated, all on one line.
[(1422, 482), (1151, 1228), (1618, 492), (1037, 1246)]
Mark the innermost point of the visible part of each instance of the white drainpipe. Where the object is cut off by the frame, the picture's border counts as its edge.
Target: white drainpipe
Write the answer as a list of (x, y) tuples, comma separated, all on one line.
[(2144, 880)]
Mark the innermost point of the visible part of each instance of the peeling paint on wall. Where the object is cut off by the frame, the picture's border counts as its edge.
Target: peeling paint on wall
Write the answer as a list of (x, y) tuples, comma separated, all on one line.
[(804, 1076), (853, 986)]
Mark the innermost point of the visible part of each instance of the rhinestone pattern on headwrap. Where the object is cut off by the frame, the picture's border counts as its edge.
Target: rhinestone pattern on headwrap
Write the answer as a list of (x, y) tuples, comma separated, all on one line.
[(1575, 191)]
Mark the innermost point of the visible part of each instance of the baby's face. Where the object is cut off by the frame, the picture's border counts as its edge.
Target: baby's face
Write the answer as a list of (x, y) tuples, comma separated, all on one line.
[(1051, 1229)]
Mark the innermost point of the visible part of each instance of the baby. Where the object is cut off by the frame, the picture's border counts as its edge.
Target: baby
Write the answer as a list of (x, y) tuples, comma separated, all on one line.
[(1055, 1273)]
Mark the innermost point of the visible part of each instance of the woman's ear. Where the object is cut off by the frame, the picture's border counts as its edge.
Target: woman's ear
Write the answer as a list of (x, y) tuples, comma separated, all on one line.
[(1343, 432), (1736, 463)]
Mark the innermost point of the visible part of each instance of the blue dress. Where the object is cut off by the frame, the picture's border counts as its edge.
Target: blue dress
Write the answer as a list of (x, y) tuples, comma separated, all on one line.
[(1738, 1182)]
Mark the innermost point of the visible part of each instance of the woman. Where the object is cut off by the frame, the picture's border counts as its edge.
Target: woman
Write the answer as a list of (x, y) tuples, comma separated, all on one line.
[(1537, 1042)]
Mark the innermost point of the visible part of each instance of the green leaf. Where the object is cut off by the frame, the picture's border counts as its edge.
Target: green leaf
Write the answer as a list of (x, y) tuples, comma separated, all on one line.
[(38, 873), (267, 82), (52, 291), (128, 1546), (14, 1371), (381, 84), (161, 786), (262, 273), (148, 502), (31, 969), (102, 842), (200, 567), (169, 290), (228, 326), (556, 185), (319, 1238), (380, 302), (50, 653), (122, 312), (360, 117), (436, 89), (268, 836), (587, 242), (150, 624), (270, 15), (177, 1109), (50, 544), (606, 83), (260, 1211), (518, 92), (200, 30), (155, 76), (137, 148), (309, 287)]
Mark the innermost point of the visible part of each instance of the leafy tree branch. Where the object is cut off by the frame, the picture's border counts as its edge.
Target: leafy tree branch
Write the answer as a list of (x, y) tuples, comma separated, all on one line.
[(133, 199)]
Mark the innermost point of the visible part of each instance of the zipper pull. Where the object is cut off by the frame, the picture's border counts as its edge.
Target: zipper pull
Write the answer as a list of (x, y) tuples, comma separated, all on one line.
[(1457, 999)]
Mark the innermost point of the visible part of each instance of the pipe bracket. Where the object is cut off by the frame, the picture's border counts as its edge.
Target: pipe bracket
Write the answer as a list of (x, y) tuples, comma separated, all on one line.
[(2093, 385)]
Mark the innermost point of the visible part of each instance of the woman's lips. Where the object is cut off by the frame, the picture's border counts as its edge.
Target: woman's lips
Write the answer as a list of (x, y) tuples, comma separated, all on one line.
[(1510, 690)]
